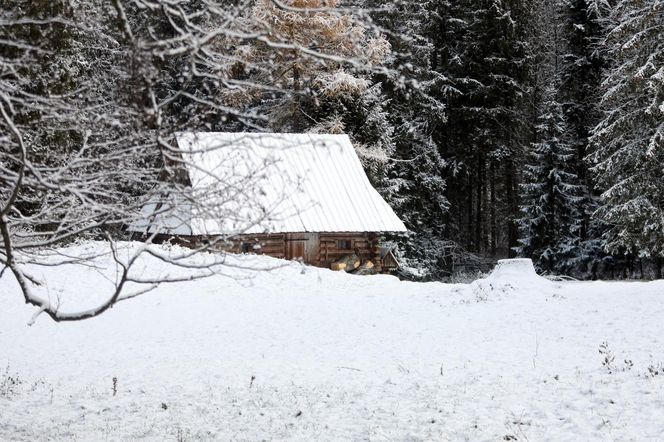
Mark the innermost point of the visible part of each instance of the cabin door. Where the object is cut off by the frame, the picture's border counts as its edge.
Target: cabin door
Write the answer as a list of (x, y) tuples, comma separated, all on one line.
[(303, 246)]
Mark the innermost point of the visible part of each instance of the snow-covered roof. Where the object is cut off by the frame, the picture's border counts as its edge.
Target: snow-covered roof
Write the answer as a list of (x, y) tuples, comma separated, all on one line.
[(275, 183)]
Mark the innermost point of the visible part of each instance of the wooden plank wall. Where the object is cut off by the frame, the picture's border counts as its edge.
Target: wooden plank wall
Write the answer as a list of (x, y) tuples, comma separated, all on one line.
[(366, 245), (271, 245)]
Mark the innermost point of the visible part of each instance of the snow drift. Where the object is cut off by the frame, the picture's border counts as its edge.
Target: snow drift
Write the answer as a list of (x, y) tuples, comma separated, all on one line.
[(512, 276), (307, 354)]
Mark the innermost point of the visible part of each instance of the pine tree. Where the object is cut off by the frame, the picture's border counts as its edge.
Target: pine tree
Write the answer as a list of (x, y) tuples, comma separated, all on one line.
[(628, 143), (418, 87), (582, 65), (487, 129), (550, 192)]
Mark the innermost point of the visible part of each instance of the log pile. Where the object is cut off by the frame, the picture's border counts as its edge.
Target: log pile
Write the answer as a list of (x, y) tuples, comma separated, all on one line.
[(367, 268), (348, 263), (352, 264)]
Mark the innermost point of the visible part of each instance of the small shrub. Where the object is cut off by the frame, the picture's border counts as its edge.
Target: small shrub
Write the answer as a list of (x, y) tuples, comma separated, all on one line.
[(10, 384), (481, 291), (608, 361), (629, 364), (608, 358), (655, 370)]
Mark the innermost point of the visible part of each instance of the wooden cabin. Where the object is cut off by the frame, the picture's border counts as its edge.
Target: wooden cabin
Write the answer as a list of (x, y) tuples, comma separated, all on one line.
[(304, 197)]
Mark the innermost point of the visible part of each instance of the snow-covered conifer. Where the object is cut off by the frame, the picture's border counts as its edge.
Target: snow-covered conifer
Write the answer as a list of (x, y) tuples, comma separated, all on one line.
[(628, 143), (550, 191)]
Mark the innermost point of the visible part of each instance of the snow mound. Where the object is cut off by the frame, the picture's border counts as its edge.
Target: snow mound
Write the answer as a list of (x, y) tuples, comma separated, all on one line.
[(511, 275), (515, 270)]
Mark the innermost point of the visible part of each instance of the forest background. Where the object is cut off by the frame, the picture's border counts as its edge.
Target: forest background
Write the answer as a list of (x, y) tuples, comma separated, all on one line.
[(494, 128)]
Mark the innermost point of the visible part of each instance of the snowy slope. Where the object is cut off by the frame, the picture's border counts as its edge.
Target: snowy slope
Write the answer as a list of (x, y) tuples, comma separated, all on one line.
[(336, 357)]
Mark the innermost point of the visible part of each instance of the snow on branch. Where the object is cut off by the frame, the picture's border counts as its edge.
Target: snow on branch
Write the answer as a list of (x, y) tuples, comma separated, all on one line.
[(91, 100)]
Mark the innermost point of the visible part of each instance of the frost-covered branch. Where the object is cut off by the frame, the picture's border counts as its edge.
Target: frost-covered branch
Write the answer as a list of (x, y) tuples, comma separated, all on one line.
[(91, 100)]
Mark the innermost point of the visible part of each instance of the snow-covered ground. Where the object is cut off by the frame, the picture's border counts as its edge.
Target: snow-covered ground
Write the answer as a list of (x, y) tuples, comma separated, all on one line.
[(308, 354)]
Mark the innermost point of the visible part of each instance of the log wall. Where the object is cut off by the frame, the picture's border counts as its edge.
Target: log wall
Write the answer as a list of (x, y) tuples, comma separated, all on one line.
[(318, 249), (334, 246)]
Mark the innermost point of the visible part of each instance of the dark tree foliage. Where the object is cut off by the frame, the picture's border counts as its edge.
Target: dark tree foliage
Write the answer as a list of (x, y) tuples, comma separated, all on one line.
[(550, 192), (486, 133), (485, 143), (628, 142), (582, 66), (418, 88)]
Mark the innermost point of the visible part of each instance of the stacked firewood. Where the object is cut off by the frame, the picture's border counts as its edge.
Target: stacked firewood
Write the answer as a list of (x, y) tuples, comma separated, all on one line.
[(353, 264)]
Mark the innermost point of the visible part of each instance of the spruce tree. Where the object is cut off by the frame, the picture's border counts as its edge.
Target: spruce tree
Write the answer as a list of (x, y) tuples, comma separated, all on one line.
[(550, 192), (418, 88), (552, 198), (628, 143), (581, 72), (487, 131)]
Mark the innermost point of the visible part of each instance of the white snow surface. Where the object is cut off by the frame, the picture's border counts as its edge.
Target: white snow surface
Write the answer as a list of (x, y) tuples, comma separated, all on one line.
[(300, 353), (276, 183)]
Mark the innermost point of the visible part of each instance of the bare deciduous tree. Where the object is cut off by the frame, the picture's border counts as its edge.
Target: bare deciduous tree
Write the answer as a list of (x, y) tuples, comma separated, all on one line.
[(91, 95)]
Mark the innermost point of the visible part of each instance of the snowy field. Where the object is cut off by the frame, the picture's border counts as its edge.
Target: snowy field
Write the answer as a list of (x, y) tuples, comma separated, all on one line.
[(308, 354)]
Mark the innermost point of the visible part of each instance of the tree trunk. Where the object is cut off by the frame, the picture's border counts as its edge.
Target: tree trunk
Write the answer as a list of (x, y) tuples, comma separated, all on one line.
[(492, 213), (469, 241), (512, 208), (479, 218)]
